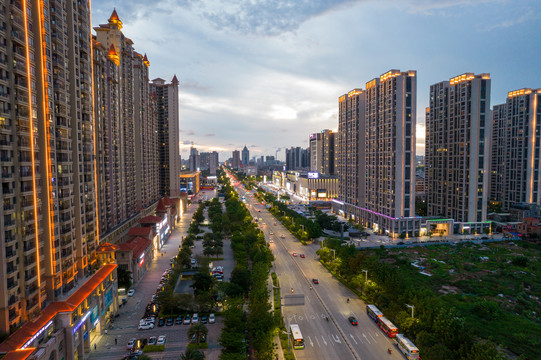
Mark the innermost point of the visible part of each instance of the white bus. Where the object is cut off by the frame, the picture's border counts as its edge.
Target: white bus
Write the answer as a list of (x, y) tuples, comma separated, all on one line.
[(298, 341), (373, 312), (406, 347)]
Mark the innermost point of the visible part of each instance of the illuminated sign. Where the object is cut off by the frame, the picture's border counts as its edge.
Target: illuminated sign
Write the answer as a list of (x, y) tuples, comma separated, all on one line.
[(81, 322), (36, 335), (141, 259), (313, 175)]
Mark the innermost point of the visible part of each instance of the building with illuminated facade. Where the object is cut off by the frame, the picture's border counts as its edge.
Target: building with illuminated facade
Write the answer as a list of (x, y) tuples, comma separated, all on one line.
[(376, 154), (322, 152), (457, 148), (515, 158)]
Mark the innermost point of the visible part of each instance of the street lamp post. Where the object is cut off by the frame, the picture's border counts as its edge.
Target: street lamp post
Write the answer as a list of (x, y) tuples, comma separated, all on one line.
[(365, 275), (334, 254), (412, 307)]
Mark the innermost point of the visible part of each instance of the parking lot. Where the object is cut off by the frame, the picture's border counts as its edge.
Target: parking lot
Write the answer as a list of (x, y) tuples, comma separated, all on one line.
[(113, 345)]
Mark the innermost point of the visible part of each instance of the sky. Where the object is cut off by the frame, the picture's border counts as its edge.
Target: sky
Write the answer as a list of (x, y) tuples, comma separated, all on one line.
[(268, 73)]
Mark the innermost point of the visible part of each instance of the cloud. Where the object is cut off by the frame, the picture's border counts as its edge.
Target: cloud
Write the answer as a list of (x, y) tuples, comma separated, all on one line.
[(187, 132), (210, 134), (529, 16), (186, 142), (269, 17)]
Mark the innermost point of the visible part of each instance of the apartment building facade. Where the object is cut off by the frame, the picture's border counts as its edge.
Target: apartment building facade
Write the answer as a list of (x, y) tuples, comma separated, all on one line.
[(322, 152), (457, 148), (515, 158)]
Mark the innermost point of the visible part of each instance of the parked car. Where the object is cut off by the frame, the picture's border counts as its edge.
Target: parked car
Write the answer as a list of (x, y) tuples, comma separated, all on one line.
[(178, 321), (170, 322), (152, 340), (161, 322), (212, 319), (131, 292), (203, 319), (146, 326), (161, 340), (202, 339), (187, 320), (195, 318), (131, 344)]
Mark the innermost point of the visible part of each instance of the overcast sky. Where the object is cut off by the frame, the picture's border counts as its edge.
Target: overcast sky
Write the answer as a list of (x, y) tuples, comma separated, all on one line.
[(268, 73)]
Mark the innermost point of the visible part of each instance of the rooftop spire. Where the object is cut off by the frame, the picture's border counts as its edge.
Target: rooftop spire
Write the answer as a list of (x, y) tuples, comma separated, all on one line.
[(114, 19)]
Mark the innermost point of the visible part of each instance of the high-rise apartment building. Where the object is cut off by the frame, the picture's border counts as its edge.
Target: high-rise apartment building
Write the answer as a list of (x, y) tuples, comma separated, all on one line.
[(322, 152), (194, 160), (245, 156), (168, 135), (236, 159), (48, 217), (351, 143), (376, 154), (297, 158), (457, 148), (213, 162), (516, 138)]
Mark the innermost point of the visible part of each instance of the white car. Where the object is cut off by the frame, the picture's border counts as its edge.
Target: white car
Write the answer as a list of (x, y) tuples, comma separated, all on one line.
[(195, 318), (146, 326), (161, 340), (271, 233), (192, 261), (131, 292), (131, 343), (187, 320), (212, 319)]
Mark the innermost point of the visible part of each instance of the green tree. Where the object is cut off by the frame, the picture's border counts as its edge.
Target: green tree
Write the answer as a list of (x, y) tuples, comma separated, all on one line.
[(241, 276), (124, 278), (202, 282), (197, 331), (192, 354)]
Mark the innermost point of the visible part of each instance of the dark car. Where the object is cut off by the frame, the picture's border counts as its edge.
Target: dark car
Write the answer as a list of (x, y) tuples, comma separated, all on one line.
[(203, 319), (170, 322), (161, 322), (302, 256), (178, 321), (315, 281), (353, 321)]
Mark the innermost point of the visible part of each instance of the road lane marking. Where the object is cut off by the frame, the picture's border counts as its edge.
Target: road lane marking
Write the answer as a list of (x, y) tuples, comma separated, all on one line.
[(324, 340), (337, 339), (311, 342), (353, 338), (372, 337), (318, 344), (366, 338), (361, 340)]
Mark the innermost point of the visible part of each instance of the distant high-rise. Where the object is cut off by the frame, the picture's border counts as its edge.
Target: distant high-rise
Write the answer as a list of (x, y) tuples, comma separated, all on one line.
[(168, 135), (194, 160), (516, 139), (457, 148), (236, 159), (376, 154), (213, 162), (245, 156), (297, 158), (322, 152)]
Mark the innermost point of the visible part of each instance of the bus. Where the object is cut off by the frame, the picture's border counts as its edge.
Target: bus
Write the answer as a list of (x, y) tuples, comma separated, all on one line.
[(373, 312), (387, 326), (298, 341), (407, 348)]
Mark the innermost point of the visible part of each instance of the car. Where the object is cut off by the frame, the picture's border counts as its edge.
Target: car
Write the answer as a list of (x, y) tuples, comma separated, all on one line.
[(131, 292), (161, 340), (192, 261), (283, 236), (178, 321), (302, 256), (315, 281), (203, 319), (131, 344), (195, 318), (212, 319), (152, 340), (271, 241), (294, 254), (146, 326), (136, 353), (161, 322), (258, 210), (202, 339), (170, 322), (187, 320), (150, 319), (353, 321), (271, 233)]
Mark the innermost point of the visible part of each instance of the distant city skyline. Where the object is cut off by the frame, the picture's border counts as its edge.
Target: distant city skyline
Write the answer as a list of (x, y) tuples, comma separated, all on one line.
[(267, 75)]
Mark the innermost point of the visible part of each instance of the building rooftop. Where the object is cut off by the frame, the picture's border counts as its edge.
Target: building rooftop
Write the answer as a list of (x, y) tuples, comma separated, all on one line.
[(140, 231)]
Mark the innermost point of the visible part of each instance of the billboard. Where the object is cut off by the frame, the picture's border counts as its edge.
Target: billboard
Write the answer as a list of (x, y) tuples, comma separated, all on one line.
[(313, 175)]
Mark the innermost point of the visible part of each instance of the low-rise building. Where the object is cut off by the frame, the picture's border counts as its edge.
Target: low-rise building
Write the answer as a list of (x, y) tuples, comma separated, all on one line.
[(135, 256)]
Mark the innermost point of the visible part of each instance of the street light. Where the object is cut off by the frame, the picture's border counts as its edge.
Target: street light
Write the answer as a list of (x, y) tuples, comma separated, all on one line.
[(365, 275), (334, 254), (412, 309)]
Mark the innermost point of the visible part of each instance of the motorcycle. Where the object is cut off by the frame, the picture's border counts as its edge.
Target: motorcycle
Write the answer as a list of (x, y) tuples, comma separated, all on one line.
[(390, 350), (292, 290)]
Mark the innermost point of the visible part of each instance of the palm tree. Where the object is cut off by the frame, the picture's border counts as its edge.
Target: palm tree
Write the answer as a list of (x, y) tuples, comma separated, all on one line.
[(192, 354), (198, 330)]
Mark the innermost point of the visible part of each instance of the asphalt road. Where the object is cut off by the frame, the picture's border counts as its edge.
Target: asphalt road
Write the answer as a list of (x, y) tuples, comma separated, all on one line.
[(334, 339)]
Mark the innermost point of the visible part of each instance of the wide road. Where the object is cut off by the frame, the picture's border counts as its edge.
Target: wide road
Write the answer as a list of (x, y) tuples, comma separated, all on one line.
[(334, 339)]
